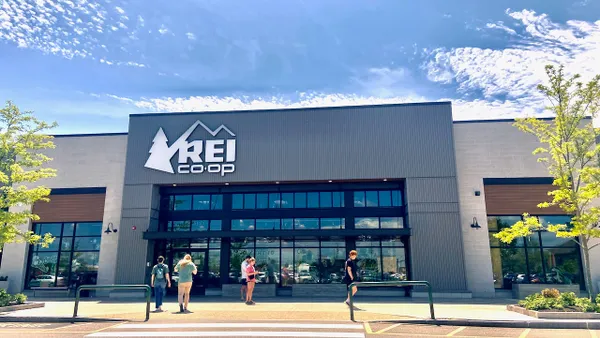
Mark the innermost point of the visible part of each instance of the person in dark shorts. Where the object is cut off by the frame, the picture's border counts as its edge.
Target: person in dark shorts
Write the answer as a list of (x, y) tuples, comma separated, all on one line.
[(244, 280), (350, 274)]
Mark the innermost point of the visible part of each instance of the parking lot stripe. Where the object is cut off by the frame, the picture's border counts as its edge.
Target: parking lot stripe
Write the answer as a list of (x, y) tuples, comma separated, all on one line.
[(387, 328), (242, 325), (456, 331), (368, 328), (229, 334), (525, 333)]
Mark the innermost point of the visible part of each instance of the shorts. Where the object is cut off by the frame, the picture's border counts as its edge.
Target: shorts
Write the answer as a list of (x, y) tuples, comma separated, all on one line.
[(244, 282)]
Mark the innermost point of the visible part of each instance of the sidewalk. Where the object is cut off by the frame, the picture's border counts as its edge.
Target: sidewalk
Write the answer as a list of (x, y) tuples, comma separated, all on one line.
[(216, 308)]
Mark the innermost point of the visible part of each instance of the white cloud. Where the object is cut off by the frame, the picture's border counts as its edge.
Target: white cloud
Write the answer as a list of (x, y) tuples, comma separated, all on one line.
[(163, 30), (507, 78), (191, 36), (51, 27), (500, 25)]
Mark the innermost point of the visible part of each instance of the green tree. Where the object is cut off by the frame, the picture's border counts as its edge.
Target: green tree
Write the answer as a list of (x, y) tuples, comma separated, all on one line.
[(571, 155), (22, 141)]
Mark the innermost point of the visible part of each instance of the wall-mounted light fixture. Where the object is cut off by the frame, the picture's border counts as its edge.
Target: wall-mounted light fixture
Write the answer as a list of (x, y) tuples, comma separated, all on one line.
[(475, 225), (110, 228)]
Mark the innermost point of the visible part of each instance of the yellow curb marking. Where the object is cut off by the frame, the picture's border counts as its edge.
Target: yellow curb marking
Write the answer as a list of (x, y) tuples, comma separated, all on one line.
[(387, 328), (368, 328), (456, 331), (593, 334), (525, 333)]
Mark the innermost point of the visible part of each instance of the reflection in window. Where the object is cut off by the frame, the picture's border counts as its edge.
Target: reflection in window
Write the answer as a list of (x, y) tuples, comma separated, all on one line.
[(326, 200), (215, 225), (359, 199), (338, 199), (312, 199), (306, 265), (332, 223), (366, 223), (262, 201), (274, 200), (72, 259), (216, 202), (249, 201), (267, 263), (539, 258), (385, 198), (180, 226), (202, 202), (306, 223), (200, 225), (242, 224), (181, 202), (372, 199), (391, 223), (267, 224), (237, 201), (300, 200), (287, 200)]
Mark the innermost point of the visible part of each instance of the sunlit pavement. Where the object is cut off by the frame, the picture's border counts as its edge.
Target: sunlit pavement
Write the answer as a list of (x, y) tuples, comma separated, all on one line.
[(185, 327)]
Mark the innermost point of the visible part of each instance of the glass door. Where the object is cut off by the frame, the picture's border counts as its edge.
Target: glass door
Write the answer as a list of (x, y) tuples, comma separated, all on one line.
[(199, 258)]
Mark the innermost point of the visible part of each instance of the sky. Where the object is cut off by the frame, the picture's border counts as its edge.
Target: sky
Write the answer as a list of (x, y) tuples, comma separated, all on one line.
[(89, 64)]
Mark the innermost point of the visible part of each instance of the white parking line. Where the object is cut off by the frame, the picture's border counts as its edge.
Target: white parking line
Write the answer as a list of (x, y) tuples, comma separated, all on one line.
[(230, 334), (242, 325)]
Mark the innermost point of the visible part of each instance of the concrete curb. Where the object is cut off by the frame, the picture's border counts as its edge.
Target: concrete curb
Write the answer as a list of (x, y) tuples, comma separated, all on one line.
[(16, 319), (26, 306), (524, 324)]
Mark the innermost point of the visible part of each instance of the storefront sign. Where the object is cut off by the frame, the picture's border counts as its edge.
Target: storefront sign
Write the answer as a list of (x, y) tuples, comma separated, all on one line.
[(194, 157)]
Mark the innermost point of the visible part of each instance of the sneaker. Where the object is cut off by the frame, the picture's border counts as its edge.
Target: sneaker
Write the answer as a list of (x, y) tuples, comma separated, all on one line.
[(181, 308), (346, 302)]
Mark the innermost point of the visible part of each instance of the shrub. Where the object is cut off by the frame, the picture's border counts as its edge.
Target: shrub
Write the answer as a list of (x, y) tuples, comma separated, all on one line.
[(585, 304), (5, 298), (538, 302), (19, 298), (568, 299), (550, 293), (3, 278)]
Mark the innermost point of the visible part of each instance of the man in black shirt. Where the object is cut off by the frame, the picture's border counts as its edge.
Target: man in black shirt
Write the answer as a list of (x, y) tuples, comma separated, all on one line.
[(350, 274)]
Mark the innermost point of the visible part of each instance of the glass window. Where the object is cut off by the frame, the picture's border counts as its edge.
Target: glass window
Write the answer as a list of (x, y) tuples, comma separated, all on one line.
[(214, 272), (215, 225), (216, 202), (394, 264), (549, 239), (359, 199), (42, 271), (287, 267), (237, 255), (64, 265), (181, 225), (396, 198), (66, 243), (274, 200), (267, 242), (199, 243), (87, 243), (300, 200), (563, 265), (391, 241), (326, 200), (267, 224), (306, 223), (50, 228), (391, 223), (534, 260), (242, 224), (84, 267), (366, 223), (372, 199), (182, 202), (262, 201), (332, 223), (338, 199), (202, 202), (249, 201), (497, 223), (180, 244), (287, 200), (287, 224), (51, 247), (312, 199), (89, 229), (370, 264), (306, 242), (237, 201), (333, 242), (267, 263), (385, 198), (365, 241), (509, 267), (69, 229), (554, 220), (332, 265), (200, 225), (306, 265)]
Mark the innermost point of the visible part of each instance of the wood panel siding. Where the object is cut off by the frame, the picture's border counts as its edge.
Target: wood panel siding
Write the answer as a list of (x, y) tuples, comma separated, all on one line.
[(71, 208), (516, 199)]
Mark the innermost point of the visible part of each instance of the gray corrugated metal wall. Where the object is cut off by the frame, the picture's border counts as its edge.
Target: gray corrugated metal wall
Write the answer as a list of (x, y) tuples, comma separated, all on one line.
[(372, 142)]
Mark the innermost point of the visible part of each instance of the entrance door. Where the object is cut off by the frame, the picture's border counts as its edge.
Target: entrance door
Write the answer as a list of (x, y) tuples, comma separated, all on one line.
[(199, 258)]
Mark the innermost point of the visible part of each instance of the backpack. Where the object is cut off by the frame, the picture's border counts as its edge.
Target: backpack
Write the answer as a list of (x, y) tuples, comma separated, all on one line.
[(160, 272)]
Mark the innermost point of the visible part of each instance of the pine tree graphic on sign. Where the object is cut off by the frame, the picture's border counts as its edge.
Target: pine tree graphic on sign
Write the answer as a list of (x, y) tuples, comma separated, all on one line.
[(160, 157)]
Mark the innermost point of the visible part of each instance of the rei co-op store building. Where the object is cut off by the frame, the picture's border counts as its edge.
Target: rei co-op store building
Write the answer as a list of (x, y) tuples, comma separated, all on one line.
[(416, 194)]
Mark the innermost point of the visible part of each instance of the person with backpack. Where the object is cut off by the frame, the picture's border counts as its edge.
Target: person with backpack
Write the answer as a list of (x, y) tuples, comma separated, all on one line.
[(160, 280)]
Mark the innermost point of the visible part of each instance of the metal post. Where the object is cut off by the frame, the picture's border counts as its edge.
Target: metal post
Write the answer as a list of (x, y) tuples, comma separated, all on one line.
[(350, 287), (77, 295), (430, 301), (148, 296), (147, 291)]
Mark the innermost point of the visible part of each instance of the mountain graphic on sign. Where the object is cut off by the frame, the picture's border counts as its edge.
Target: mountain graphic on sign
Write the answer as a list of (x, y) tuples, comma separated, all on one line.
[(161, 153)]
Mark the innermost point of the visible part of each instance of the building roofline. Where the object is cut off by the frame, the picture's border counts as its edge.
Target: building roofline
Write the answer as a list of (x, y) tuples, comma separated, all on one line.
[(272, 110), (506, 120), (88, 135)]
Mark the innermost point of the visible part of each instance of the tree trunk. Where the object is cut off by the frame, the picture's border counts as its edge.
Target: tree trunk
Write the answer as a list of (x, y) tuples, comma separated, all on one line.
[(587, 269)]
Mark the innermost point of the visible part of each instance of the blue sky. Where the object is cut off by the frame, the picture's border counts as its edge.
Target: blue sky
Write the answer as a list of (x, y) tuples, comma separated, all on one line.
[(89, 64)]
